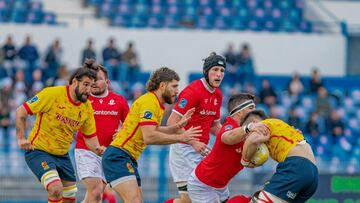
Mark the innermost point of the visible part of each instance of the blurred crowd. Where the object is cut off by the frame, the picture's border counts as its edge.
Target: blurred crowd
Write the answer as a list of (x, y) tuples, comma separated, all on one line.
[(328, 117)]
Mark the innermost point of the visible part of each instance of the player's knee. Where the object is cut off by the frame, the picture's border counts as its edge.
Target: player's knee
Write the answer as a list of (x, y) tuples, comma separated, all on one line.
[(69, 193), (96, 193), (55, 190), (52, 183)]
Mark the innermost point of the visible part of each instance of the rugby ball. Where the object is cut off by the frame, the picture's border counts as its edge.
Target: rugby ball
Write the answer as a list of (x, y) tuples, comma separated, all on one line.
[(261, 155)]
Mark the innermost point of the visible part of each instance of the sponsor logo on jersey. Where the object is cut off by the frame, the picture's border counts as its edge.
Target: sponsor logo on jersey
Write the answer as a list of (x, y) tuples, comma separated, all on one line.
[(182, 103), (104, 113), (147, 115), (207, 112), (33, 100), (68, 121)]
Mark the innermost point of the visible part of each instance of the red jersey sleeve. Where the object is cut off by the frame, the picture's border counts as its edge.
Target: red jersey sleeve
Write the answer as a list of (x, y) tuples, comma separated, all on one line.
[(186, 100), (124, 110)]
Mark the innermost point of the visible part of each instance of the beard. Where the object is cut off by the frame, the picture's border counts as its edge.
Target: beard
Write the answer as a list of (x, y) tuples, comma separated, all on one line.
[(80, 96), (167, 97), (98, 91)]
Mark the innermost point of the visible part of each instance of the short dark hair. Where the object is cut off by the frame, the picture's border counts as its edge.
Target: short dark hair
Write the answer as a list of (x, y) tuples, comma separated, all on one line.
[(237, 99), (259, 113), (91, 64), (163, 74), (79, 73)]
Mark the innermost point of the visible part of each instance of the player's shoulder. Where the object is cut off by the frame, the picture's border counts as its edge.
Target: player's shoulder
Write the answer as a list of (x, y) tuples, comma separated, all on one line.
[(54, 90), (116, 96), (229, 124), (274, 122)]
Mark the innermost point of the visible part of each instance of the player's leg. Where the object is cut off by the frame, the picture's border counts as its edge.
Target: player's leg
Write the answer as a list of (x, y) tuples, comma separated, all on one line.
[(89, 170), (68, 179), (69, 191), (129, 191), (292, 177), (121, 173), (43, 166), (182, 159), (109, 195), (94, 189)]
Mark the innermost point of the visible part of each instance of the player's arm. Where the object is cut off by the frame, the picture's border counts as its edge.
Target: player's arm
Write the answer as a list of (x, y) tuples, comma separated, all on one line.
[(93, 144), (234, 136), (251, 144), (21, 115), (153, 136), (176, 123), (215, 128)]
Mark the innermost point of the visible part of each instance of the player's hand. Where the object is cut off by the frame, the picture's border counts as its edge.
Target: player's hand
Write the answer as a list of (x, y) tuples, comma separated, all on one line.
[(184, 120), (191, 134), (259, 127), (200, 147), (100, 150), (25, 144)]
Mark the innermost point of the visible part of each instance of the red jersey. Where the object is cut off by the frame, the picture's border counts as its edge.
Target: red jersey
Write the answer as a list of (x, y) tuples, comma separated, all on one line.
[(223, 162), (109, 112), (207, 105)]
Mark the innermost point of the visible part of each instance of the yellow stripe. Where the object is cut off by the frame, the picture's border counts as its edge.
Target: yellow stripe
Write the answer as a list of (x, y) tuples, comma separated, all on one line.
[(69, 188), (47, 174)]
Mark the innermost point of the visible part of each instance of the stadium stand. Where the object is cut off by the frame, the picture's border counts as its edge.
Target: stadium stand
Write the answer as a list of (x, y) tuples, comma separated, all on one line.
[(255, 15), (334, 137), (24, 11)]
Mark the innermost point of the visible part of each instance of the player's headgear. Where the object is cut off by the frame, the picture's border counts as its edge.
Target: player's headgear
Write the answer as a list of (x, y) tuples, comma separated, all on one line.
[(211, 61)]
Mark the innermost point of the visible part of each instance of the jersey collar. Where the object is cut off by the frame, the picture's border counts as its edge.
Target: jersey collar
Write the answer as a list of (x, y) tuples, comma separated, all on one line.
[(207, 86), (69, 97), (162, 106)]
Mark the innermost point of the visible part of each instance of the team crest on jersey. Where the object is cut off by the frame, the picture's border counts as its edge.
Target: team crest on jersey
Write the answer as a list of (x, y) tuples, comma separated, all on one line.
[(228, 127), (33, 100), (111, 102), (130, 168), (147, 115), (182, 103), (45, 165)]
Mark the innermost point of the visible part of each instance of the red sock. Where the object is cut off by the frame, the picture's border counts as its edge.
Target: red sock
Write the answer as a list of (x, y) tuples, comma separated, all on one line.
[(169, 201), (239, 199), (109, 197)]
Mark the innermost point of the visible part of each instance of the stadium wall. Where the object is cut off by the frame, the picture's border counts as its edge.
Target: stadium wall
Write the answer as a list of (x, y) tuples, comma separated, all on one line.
[(274, 53)]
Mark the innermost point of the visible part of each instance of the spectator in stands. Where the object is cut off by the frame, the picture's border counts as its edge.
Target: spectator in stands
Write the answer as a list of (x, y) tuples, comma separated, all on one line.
[(111, 58), (295, 86), (245, 64), (312, 126), (315, 82), (20, 88), (53, 59), (294, 119), (88, 52), (335, 125), (37, 84), (62, 77), (9, 53), (6, 95), (267, 94), (29, 54), (323, 106), (130, 68), (231, 60)]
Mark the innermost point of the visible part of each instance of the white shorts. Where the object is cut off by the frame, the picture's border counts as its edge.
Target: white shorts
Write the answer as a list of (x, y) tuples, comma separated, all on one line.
[(202, 193), (182, 160), (88, 165)]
